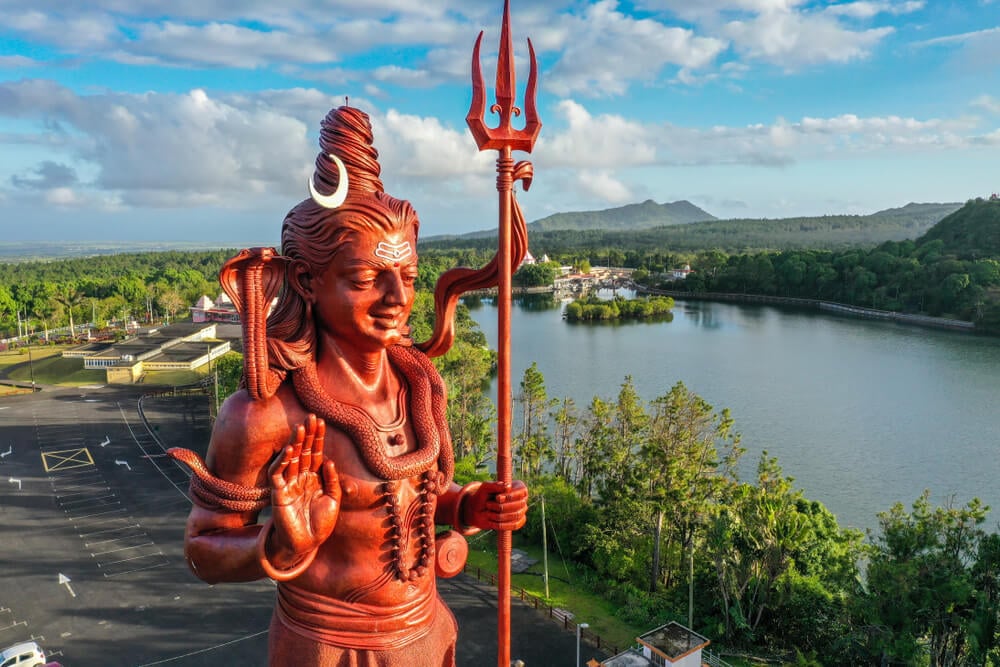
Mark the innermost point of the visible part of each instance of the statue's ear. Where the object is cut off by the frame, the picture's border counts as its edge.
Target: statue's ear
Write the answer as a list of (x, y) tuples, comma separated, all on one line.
[(301, 280)]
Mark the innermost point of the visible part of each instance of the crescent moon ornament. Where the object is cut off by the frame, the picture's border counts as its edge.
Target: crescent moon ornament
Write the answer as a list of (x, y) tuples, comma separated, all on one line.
[(339, 195)]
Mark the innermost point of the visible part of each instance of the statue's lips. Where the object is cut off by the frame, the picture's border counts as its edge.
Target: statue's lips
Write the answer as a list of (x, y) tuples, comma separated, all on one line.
[(387, 321)]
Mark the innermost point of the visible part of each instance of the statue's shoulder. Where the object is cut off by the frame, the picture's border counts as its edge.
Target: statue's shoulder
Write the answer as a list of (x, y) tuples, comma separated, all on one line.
[(249, 431)]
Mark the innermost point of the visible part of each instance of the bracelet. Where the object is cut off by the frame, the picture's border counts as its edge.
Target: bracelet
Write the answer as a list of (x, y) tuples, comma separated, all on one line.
[(268, 567), (456, 513)]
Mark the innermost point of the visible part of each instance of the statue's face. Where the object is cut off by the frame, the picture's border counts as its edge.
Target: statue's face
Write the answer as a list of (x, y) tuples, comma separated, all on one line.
[(364, 297)]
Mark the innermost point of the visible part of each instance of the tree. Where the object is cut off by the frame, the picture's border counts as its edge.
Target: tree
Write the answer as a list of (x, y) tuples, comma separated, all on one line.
[(566, 420), (230, 372), (690, 459), (922, 579), (759, 541), (169, 300), (70, 297), (533, 443), (539, 274)]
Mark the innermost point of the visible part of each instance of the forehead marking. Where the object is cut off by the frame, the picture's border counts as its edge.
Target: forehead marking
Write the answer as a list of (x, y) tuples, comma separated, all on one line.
[(393, 252)]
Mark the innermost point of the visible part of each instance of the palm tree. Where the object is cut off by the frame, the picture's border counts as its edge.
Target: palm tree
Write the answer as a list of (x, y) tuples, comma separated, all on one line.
[(70, 297)]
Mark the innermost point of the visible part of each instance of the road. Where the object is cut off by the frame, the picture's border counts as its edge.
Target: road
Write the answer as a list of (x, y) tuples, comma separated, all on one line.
[(91, 526)]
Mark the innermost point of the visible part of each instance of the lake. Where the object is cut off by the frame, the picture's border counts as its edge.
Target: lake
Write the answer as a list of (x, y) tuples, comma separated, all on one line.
[(862, 414)]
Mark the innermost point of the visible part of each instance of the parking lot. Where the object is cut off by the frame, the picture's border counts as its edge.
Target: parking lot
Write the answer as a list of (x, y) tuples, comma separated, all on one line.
[(91, 542)]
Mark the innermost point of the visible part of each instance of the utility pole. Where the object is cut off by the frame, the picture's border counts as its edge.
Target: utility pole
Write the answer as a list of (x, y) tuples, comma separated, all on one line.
[(691, 588), (31, 369), (545, 552)]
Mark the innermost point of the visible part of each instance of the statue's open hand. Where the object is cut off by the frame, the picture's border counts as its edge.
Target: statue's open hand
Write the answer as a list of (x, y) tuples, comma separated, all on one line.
[(305, 493), (497, 506)]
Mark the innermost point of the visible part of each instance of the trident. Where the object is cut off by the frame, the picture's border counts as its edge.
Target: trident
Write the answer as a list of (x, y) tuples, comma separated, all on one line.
[(505, 139)]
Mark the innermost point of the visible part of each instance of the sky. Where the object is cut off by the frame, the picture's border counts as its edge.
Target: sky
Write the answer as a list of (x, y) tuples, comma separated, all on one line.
[(197, 120)]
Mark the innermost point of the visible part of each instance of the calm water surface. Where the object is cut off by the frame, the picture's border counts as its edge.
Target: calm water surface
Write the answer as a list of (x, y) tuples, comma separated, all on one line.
[(862, 414)]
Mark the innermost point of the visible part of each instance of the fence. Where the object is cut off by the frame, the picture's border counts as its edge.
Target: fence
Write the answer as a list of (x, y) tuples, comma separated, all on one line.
[(560, 616)]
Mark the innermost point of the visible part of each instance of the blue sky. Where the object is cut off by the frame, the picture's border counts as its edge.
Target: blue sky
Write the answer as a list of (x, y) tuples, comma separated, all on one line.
[(123, 120)]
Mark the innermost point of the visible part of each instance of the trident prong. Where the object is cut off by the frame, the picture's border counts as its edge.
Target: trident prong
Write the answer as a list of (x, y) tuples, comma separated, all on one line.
[(504, 135)]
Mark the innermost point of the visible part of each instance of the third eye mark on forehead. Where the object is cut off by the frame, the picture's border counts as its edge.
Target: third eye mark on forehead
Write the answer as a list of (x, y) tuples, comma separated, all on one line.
[(394, 252)]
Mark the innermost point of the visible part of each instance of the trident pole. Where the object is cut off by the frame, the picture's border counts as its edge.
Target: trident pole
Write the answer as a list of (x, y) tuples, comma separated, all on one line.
[(505, 140)]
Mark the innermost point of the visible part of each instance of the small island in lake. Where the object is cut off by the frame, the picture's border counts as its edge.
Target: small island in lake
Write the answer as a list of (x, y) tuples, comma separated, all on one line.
[(591, 308)]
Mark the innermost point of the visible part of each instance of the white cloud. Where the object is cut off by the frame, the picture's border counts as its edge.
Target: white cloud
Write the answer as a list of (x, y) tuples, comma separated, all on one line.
[(221, 44), (866, 9), (602, 185), (596, 141), (960, 38), (987, 103), (603, 49), (793, 40), (16, 62), (194, 149), (83, 30)]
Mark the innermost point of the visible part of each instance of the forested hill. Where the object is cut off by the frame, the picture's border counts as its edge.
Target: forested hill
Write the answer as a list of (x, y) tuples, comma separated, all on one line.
[(633, 216), (828, 232), (645, 215), (971, 232)]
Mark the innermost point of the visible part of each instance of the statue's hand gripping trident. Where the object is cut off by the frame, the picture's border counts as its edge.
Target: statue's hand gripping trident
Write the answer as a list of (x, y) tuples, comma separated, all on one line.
[(505, 139)]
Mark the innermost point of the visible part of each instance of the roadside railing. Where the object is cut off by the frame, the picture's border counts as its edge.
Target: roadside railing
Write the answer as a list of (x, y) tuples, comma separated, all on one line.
[(712, 659), (560, 616)]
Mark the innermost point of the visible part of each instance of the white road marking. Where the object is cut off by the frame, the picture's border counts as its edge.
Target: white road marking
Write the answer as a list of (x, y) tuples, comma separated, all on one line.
[(64, 580)]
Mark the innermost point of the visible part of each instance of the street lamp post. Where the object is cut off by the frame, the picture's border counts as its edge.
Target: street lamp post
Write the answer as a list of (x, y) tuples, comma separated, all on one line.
[(31, 369), (579, 630)]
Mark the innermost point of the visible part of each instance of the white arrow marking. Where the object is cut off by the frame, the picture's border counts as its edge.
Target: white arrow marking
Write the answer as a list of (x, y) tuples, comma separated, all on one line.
[(6, 407), (107, 441), (64, 580), (10, 450), (15, 481), (123, 463)]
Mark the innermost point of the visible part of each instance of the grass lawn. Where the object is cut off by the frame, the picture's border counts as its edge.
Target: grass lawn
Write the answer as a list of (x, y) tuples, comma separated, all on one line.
[(50, 368), (14, 357), (172, 378), (566, 592)]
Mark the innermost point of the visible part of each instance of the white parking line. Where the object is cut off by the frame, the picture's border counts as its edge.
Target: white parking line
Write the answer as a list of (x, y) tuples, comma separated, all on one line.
[(81, 518), (111, 551), (113, 539), (64, 503), (126, 560), (108, 530), (138, 569)]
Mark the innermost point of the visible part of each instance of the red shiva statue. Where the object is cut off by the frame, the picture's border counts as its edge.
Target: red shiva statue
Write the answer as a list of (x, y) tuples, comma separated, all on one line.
[(339, 430)]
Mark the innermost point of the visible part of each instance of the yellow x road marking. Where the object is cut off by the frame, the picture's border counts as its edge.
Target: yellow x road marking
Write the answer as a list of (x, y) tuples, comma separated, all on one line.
[(67, 459)]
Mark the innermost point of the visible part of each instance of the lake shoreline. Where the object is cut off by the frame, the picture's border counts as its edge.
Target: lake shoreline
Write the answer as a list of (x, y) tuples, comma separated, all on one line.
[(817, 304)]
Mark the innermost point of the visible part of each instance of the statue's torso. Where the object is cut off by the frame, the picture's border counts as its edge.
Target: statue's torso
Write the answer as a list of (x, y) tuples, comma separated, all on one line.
[(381, 550)]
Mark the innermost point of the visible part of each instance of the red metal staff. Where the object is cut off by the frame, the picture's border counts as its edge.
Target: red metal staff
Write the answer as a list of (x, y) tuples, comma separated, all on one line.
[(505, 139)]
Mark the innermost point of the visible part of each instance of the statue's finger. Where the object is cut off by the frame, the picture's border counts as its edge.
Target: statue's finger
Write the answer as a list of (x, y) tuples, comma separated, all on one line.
[(277, 468), (318, 445), (307, 442), (292, 471), (331, 480)]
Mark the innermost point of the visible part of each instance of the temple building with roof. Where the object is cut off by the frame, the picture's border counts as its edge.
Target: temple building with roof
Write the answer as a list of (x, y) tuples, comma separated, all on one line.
[(670, 645), (180, 346)]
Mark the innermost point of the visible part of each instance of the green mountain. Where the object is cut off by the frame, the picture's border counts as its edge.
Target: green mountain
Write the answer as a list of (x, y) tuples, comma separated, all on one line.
[(971, 232), (632, 216), (646, 215)]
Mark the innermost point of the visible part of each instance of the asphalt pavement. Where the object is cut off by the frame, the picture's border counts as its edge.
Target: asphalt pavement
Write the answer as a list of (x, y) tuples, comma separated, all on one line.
[(91, 546)]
